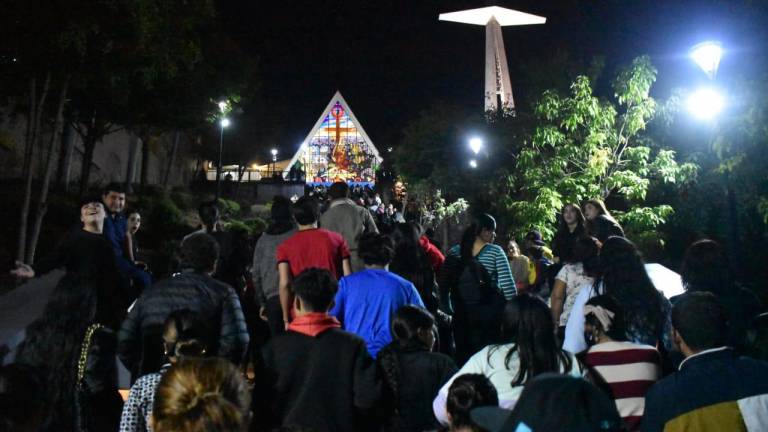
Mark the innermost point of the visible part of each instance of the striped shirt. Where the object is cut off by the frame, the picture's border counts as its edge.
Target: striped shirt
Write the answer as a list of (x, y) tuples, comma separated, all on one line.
[(630, 369), (494, 260)]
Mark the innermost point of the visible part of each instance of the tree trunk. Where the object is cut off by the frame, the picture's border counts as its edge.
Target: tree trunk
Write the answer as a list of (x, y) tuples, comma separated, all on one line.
[(171, 158), (64, 168), (33, 127), (130, 172), (144, 161), (42, 205), (89, 144)]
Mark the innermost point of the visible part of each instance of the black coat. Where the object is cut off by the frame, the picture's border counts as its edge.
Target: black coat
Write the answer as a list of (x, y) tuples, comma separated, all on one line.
[(418, 374), (327, 383), (603, 227)]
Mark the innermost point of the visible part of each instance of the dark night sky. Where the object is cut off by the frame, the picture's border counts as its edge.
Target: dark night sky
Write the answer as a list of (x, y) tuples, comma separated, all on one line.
[(391, 59)]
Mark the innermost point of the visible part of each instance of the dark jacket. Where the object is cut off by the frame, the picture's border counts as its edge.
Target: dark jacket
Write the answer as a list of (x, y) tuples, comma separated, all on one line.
[(562, 244), (603, 227), (140, 342), (712, 391), (414, 376), (326, 383)]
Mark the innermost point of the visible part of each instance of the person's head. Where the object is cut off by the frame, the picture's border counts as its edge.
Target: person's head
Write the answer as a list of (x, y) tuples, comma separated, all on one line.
[(134, 222), (513, 249), (202, 395), (306, 211), (594, 208), (114, 197), (585, 250), (571, 214), (562, 403), (699, 322), (376, 249), (469, 391), (209, 214), (185, 334), (413, 325), (405, 234), (21, 398), (280, 215), (482, 228), (339, 190), (200, 252), (527, 323), (603, 317), (706, 268), (533, 238), (92, 212), (315, 290)]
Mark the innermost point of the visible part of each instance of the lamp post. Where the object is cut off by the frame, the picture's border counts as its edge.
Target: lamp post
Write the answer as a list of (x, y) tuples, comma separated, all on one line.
[(475, 144), (274, 160), (223, 123)]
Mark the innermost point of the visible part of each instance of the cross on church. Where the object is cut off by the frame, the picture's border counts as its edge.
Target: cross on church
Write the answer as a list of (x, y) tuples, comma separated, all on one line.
[(339, 155)]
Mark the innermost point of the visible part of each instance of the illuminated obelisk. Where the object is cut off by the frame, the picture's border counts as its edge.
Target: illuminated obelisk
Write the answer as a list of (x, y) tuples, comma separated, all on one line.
[(498, 87)]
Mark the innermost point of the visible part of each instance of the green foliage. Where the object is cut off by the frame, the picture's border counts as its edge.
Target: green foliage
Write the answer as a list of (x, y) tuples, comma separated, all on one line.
[(250, 227), (161, 217), (583, 147), (228, 207), (435, 209)]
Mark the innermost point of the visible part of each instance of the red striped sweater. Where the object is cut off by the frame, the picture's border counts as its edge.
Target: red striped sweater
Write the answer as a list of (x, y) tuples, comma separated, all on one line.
[(630, 370)]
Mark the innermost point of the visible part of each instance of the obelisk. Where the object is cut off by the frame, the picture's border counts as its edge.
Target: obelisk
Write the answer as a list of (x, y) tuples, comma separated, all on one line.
[(498, 86)]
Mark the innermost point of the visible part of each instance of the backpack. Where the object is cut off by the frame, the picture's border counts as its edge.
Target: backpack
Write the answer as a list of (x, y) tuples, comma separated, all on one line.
[(474, 286)]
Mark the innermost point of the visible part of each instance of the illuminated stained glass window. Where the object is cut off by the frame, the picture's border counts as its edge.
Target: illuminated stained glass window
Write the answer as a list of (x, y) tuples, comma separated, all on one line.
[(338, 149)]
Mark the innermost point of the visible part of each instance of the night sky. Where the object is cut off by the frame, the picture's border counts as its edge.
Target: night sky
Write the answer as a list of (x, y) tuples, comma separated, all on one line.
[(392, 59)]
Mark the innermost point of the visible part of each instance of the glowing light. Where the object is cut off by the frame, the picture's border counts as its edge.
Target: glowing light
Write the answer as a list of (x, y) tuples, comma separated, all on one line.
[(274, 152), (707, 55), (475, 144), (705, 103), (473, 163), (222, 106), (225, 122)]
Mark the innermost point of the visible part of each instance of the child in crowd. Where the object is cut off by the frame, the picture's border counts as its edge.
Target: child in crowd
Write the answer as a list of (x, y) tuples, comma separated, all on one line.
[(467, 392)]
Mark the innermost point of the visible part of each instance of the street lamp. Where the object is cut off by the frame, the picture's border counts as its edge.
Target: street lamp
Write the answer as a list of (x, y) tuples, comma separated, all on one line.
[(274, 160), (707, 55), (705, 103), (475, 144), (224, 122), (473, 163)]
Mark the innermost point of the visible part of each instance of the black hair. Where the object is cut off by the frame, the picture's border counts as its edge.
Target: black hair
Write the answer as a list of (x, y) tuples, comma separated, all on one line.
[(54, 341), (411, 262), (706, 268), (482, 222), (700, 320), (623, 275), (316, 288), (469, 391), (306, 210), (563, 226), (562, 403), (375, 248), (280, 216), (585, 251), (405, 326), (339, 190), (200, 252), (527, 323), (209, 213), (21, 398), (114, 187), (618, 329), (192, 337), (88, 199)]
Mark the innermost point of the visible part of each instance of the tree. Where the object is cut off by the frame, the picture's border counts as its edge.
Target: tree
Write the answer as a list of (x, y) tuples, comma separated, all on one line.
[(583, 147)]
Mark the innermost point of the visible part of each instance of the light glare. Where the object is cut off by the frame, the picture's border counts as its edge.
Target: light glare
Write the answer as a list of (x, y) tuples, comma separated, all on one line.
[(707, 55), (705, 103), (475, 144), (274, 152), (473, 163), (224, 122), (222, 106)]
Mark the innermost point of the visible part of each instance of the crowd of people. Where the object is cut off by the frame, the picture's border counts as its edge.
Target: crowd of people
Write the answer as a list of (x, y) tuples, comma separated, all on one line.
[(373, 326)]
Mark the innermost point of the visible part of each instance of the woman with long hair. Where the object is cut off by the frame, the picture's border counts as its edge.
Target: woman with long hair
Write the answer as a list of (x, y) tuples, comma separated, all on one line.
[(528, 349), (622, 274), (706, 268), (600, 224), (570, 279), (411, 263), (412, 372), (74, 346), (185, 335), (478, 277), (569, 230)]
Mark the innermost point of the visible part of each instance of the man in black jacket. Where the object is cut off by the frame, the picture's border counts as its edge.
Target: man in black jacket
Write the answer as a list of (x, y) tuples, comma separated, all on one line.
[(140, 343), (316, 375)]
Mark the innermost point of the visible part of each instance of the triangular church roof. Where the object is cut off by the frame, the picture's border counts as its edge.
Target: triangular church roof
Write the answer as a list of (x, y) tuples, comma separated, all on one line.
[(337, 97)]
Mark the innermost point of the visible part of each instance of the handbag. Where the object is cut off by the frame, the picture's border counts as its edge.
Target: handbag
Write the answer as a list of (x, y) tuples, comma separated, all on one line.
[(82, 392)]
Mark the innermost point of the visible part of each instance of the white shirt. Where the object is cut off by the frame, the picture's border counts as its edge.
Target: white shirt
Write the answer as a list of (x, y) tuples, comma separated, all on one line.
[(572, 275), (495, 369)]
